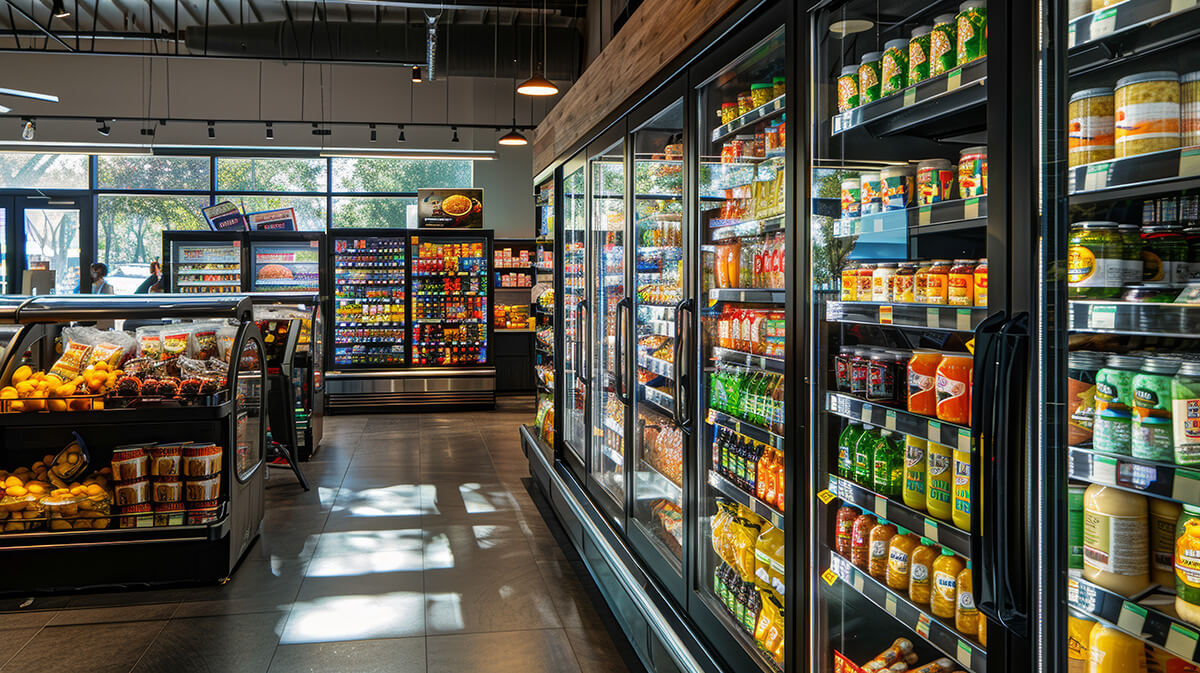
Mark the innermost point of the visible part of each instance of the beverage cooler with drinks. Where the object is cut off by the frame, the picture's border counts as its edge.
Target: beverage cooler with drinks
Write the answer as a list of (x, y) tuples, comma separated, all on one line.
[(1119, 282), (203, 262), (451, 298), (370, 300)]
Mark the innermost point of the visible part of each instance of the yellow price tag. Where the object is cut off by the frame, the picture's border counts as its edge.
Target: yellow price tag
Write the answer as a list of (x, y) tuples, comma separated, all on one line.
[(829, 576), (826, 496)]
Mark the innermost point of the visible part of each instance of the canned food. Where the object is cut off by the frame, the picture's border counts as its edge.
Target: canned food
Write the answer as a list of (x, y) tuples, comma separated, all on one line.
[(1189, 111), (937, 283), (981, 282), (935, 181), (894, 71), (972, 172), (898, 184), (903, 283), (1090, 135), (847, 89), (1095, 260), (918, 54), (942, 44), (851, 197), (971, 24), (870, 73), (1147, 113), (872, 193), (849, 284)]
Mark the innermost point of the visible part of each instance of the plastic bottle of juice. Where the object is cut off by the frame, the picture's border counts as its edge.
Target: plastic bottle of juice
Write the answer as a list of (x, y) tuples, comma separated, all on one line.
[(877, 561), (899, 554), (779, 483), (845, 466), (962, 490), (945, 585), (860, 534), (863, 455), (938, 481), (887, 466), (915, 449), (966, 615), (920, 571), (1111, 651)]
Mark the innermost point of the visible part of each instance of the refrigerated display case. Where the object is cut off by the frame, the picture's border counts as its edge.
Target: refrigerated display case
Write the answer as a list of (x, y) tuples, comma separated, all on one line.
[(204, 261), (1116, 177), (543, 296), (285, 261), (576, 349)]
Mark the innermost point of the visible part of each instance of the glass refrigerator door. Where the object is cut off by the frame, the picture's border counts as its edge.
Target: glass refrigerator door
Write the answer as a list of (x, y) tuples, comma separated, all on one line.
[(450, 311), (574, 283), (741, 455), (659, 260), (610, 316), (1120, 379), (206, 267), (369, 302), (292, 266), (899, 286)]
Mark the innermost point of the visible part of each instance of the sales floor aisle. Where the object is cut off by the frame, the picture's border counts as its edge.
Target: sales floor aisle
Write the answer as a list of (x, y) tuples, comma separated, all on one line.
[(398, 560)]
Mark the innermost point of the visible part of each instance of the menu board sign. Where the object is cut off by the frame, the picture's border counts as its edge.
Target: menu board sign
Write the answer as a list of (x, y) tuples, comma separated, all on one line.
[(283, 219), (450, 208), (224, 216)]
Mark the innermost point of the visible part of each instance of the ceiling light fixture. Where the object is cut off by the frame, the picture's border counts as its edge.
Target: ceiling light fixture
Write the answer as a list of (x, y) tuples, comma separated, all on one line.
[(58, 10), (537, 84), (850, 26), (372, 126), (104, 129), (270, 131), (29, 128), (416, 74), (454, 139), (513, 138), (212, 130), (400, 138)]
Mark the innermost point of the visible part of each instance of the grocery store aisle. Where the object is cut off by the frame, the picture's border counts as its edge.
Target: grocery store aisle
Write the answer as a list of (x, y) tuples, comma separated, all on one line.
[(419, 548)]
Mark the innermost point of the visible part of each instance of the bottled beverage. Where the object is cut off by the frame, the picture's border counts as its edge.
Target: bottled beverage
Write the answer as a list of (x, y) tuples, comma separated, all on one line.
[(754, 456), (779, 483), (966, 615), (900, 551), (845, 466), (914, 472), (887, 461), (938, 487), (920, 571), (769, 472), (844, 524), (962, 490), (864, 455), (777, 405), (877, 561), (945, 584), (860, 540)]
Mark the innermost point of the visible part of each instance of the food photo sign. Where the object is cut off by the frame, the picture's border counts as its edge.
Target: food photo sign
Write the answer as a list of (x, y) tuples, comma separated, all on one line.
[(224, 216), (450, 208), (283, 219)]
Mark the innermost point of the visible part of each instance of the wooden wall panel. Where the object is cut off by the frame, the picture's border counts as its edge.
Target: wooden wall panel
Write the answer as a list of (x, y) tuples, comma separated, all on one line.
[(657, 33)]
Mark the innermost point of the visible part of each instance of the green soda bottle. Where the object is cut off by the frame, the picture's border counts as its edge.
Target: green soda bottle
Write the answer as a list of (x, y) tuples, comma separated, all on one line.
[(887, 466), (864, 455), (845, 466)]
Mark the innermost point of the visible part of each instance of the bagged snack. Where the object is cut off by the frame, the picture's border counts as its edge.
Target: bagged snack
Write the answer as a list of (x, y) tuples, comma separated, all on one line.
[(74, 356), (149, 342), (204, 341), (226, 335), (175, 342)]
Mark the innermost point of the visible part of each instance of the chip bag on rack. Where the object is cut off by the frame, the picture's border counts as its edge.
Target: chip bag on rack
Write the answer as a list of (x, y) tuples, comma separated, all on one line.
[(149, 342), (71, 363)]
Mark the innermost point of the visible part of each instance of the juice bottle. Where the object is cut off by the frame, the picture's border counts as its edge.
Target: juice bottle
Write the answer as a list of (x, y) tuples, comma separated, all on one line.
[(938, 486), (944, 599), (864, 455), (846, 440), (843, 525), (899, 554), (877, 561), (920, 571), (1079, 633), (778, 407), (966, 615), (779, 483), (723, 328), (887, 466), (733, 257), (913, 494), (771, 472), (1110, 651), (760, 469), (961, 497), (922, 378), (953, 383), (860, 533)]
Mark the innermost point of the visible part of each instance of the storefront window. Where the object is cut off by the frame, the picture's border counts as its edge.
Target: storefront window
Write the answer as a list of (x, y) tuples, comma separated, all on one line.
[(310, 210), (384, 212), (129, 232), (148, 172), (52, 242), (399, 175), (272, 175), (21, 170)]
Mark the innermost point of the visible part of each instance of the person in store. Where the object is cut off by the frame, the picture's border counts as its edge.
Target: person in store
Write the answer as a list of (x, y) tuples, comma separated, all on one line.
[(100, 284), (154, 282)]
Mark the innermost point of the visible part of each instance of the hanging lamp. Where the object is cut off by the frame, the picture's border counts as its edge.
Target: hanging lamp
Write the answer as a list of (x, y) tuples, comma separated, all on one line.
[(537, 84)]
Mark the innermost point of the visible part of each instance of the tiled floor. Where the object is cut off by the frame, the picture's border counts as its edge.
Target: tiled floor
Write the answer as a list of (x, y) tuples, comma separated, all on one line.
[(419, 548)]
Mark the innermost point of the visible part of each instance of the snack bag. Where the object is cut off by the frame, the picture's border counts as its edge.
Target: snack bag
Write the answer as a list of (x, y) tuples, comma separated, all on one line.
[(226, 335), (72, 361), (204, 341), (149, 341), (175, 342)]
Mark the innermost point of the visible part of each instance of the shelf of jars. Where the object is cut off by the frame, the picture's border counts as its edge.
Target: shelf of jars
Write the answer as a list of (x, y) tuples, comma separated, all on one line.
[(735, 493), (954, 92), (899, 420), (1129, 317), (895, 511), (966, 651), (923, 316), (934, 218), (770, 109), (1089, 31), (1137, 617), (1147, 477), (748, 228)]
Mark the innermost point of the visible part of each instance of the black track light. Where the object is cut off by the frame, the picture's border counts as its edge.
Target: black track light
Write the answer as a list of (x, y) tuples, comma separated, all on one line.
[(270, 131), (372, 126), (212, 130), (58, 10), (455, 138), (416, 74), (103, 129), (400, 138)]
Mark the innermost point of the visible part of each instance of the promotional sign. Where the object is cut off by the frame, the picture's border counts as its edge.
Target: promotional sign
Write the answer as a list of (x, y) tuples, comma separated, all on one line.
[(450, 208), (283, 219), (224, 216)]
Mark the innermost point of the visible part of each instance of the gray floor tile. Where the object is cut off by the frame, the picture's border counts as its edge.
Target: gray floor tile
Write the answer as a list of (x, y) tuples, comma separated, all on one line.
[(545, 651), (113, 648), (122, 613), (595, 651), (12, 640), (227, 643), (574, 606), (385, 655)]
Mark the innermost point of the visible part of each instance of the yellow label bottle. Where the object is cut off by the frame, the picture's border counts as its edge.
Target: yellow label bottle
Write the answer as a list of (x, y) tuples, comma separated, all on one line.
[(938, 481), (1110, 651), (915, 449), (944, 600), (962, 490), (966, 615), (1079, 632)]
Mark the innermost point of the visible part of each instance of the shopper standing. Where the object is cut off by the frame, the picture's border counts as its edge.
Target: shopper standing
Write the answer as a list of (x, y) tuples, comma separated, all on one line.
[(100, 284), (154, 282)]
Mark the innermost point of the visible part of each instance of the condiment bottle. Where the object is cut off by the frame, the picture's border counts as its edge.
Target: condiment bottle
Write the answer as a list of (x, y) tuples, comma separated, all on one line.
[(913, 494), (881, 282), (1187, 565), (920, 571), (1164, 518), (937, 283), (1150, 433), (961, 290), (1116, 548), (845, 530), (866, 274), (981, 282), (961, 493), (1111, 651), (860, 533), (920, 282), (899, 554), (944, 600), (903, 283), (966, 615), (880, 536)]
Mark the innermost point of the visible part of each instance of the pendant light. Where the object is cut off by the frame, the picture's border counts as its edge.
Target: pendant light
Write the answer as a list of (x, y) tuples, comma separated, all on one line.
[(513, 138), (537, 84), (58, 11)]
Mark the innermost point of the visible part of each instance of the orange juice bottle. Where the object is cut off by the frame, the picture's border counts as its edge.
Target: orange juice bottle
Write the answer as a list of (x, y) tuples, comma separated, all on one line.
[(877, 559), (966, 615), (920, 571), (945, 584), (899, 559)]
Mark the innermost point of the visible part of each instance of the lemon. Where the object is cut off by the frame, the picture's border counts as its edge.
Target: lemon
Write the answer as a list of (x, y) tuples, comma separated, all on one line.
[(21, 374)]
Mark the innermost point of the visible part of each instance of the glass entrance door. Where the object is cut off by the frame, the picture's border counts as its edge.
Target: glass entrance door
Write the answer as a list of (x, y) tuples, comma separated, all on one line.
[(610, 310), (574, 305), (51, 247)]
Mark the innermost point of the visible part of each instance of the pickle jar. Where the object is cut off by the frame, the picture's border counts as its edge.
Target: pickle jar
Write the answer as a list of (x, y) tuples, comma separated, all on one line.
[(1095, 260), (894, 71), (847, 89), (943, 42), (1090, 130), (1131, 236), (971, 26), (918, 54), (760, 94), (870, 72), (1165, 255), (778, 86)]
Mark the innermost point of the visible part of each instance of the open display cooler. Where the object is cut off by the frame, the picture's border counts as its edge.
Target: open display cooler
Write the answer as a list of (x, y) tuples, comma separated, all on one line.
[(203, 262), (285, 261), (126, 483)]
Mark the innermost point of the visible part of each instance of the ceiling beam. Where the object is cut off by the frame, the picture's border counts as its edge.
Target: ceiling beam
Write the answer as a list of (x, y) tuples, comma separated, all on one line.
[(162, 15), (98, 15), (255, 11), (221, 9), (43, 29), (132, 16), (191, 11)]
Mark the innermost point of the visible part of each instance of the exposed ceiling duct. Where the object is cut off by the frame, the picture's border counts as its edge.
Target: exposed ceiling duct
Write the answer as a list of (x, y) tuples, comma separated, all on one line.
[(431, 43), (471, 55)]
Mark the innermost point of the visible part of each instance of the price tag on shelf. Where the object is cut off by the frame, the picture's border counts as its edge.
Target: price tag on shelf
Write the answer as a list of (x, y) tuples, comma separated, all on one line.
[(829, 576), (971, 208), (889, 419), (889, 604), (964, 439), (963, 652), (1104, 469), (1103, 22), (1180, 5), (1182, 641), (1132, 618), (834, 311), (910, 96), (858, 582), (1189, 162), (962, 319), (931, 529), (933, 318), (826, 496), (885, 315), (1102, 317), (881, 506), (924, 215), (1097, 176), (1071, 35), (866, 414), (954, 79), (922, 625), (1186, 486)]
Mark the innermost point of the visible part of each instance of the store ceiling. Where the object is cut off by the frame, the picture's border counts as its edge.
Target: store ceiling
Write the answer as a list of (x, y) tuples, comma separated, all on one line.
[(338, 31)]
